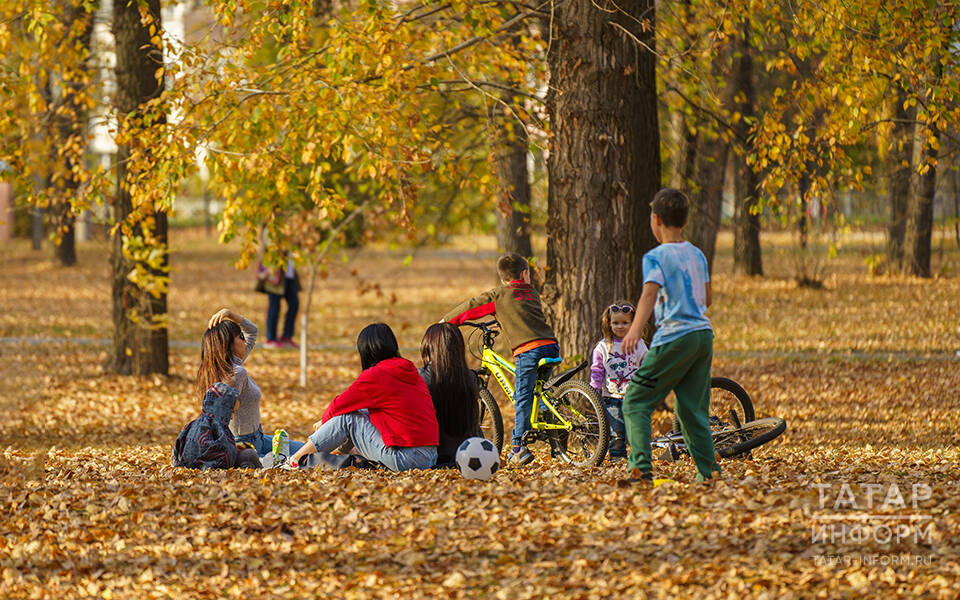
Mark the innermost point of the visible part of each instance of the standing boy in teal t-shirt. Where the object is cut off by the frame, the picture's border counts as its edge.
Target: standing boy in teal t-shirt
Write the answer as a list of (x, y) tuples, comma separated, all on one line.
[(676, 287)]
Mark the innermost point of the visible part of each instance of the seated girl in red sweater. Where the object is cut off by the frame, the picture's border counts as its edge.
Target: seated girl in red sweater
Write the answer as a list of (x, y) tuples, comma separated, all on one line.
[(386, 413)]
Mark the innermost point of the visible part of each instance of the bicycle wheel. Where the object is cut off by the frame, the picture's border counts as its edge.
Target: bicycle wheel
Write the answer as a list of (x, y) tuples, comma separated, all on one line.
[(726, 397), (491, 421), (586, 444), (734, 442)]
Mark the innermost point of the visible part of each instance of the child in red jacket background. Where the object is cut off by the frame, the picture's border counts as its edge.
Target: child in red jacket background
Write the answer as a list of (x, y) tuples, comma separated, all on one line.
[(386, 413)]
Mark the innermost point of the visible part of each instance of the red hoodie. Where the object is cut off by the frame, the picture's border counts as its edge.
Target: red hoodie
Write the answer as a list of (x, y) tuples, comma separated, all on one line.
[(398, 400)]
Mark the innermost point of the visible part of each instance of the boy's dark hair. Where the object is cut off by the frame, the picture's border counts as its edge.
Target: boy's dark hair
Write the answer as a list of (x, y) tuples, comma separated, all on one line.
[(672, 206), (376, 342), (511, 266)]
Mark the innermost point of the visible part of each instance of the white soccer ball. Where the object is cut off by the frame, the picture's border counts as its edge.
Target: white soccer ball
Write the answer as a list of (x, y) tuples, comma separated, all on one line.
[(477, 458)]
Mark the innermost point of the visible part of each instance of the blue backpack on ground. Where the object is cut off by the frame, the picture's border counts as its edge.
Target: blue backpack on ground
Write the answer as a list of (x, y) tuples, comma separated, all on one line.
[(206, 442)]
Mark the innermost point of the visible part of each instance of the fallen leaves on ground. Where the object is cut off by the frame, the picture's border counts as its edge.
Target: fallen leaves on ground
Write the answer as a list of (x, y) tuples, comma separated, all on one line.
[(91, 507)]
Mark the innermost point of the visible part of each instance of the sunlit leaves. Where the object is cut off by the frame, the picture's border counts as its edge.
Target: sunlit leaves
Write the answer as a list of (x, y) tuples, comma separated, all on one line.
[(92, 507)]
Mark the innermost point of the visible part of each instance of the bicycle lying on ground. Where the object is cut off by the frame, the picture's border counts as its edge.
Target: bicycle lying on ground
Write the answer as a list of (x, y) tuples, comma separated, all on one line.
[(569, 415), (733, 425)]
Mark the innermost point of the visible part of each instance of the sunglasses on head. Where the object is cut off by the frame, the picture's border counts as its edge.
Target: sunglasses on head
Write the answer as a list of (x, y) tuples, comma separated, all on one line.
[(624, 308)]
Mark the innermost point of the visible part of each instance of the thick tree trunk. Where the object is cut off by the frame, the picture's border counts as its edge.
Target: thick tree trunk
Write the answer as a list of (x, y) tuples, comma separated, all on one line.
[(746, 238), (138, 348), (707, 202), (898, 181), (604, 164), (510, 145), (919, 229)]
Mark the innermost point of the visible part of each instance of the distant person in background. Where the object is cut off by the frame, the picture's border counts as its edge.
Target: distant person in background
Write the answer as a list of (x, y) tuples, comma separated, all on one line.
[(279, 284), (453, 388)]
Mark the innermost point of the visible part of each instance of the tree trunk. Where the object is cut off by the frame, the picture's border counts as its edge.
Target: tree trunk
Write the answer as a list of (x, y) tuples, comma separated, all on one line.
[(513, 212), (746, 238), (919, 229), (138, 348), (898, 181), (956, 206), (803, 187), (70, 123), (36, 227), (604, 164), (688, 140), (710, 170), (66, 250), (707, 202)]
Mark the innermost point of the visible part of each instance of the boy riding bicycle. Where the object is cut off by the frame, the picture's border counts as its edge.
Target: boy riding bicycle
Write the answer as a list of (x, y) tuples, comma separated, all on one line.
[(517, 306), (676, 286)]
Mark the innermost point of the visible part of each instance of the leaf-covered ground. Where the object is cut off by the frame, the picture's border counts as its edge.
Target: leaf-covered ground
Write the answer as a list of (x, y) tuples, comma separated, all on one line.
[(864, 373)]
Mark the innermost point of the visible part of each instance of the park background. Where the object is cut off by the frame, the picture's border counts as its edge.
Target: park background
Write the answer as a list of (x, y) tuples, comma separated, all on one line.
[(398, 148)]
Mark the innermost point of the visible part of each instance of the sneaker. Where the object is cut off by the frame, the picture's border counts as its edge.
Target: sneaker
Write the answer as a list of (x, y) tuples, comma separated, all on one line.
[(287, 343), (272, 344), (636, 477), (519, 456)]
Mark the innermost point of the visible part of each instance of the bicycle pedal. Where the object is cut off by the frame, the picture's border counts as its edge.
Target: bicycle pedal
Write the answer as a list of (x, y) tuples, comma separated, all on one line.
[(666, 454), (675, 452)]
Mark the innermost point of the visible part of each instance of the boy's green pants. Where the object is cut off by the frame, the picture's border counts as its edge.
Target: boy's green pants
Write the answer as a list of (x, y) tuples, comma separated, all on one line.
[(683, 366)]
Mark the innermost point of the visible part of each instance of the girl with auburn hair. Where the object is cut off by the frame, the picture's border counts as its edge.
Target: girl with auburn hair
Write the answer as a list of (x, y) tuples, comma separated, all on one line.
[(386, 414), (228, 340), (453, 388)]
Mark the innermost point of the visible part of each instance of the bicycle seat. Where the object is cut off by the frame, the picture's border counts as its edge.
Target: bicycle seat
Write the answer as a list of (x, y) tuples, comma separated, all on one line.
[(549, 362), (545, 366)]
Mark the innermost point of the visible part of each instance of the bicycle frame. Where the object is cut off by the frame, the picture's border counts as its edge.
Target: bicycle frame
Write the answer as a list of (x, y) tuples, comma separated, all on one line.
[(497, 365)]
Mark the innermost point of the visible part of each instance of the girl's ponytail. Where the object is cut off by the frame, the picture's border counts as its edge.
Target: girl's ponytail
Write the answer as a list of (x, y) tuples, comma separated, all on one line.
[(216, 356)]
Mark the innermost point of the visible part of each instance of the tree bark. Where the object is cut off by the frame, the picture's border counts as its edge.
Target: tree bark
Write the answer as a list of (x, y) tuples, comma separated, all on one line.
[(138, 348), (66, 134), (66, 250), (898, 177), (919, 229), (707, 203), (747, 258), (709, 169), (36, 227), (956, 206), (510, 145), (604, 164), (688, 140)]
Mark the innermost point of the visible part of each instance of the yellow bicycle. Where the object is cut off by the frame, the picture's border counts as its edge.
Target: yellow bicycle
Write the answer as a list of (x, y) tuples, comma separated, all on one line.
[(567, 414)]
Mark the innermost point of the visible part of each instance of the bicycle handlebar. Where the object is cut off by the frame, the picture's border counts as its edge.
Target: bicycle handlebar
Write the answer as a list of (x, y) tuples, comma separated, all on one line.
[(483, 326)]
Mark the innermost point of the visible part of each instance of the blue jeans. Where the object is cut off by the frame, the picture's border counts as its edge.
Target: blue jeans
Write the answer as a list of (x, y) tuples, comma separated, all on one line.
[(273, 310), (357, 428), (526, 379), (618, 432), (263, 443)]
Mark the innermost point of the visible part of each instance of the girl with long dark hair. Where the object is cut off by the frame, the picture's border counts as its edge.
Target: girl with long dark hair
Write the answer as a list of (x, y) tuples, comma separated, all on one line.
[(453, 388), (228, 340), (386, 414)]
